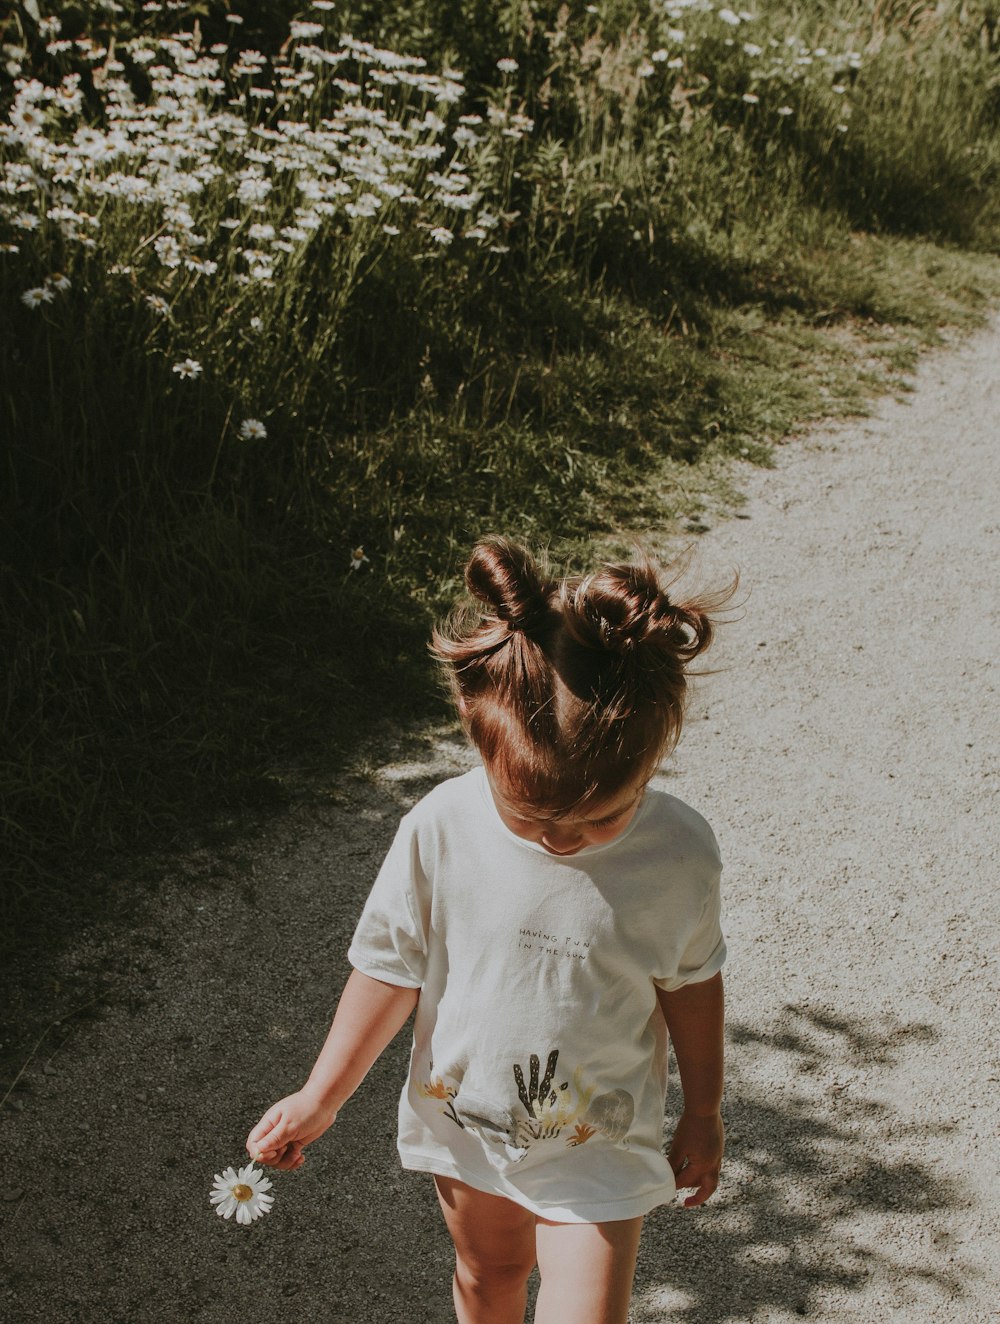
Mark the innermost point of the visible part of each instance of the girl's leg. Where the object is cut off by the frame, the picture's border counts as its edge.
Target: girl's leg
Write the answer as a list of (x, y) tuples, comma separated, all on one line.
[(494, 1253), (587, 1271)]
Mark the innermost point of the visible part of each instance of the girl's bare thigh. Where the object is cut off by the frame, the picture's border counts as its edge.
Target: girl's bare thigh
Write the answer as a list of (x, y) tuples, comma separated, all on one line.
[(586, 1268), (494, 1253)]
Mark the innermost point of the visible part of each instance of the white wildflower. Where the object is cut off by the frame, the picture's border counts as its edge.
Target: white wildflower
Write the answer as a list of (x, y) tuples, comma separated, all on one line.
[(785, 110), (727, 16), (242, 1193), (441, 235), (234, 18), (168, 250), (252, 429), (57, 281), (750, 98), (36, 297), (507, 65), (158, 304), (188, 369), (253, 190), (27, 119), (358, 558)]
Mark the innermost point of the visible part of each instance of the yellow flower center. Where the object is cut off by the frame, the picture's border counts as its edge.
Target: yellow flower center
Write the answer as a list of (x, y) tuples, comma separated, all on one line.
[(242, 1192)]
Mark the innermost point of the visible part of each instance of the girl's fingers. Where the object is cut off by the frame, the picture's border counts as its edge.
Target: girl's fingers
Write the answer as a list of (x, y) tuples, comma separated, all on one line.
[(266, 1135), (705, 1181)]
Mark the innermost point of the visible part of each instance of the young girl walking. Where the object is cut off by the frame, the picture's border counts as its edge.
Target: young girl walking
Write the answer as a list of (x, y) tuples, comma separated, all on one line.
[(551, 919)]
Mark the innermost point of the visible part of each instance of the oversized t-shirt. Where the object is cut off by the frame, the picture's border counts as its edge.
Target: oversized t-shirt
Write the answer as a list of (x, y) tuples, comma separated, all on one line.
[(539, 1061)]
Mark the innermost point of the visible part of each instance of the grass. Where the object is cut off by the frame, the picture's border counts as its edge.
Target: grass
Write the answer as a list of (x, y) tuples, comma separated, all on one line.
[(657, 272)]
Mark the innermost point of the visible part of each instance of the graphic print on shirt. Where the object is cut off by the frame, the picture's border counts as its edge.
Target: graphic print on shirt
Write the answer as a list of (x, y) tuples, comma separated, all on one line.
[(548, 1109)]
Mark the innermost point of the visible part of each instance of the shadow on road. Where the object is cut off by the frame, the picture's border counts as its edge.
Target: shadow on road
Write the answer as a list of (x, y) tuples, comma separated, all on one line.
[(807, 1181)]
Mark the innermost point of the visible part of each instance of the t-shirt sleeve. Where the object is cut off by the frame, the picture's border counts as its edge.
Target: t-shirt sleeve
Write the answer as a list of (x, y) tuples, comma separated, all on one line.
[(705, 950), (390, 942)]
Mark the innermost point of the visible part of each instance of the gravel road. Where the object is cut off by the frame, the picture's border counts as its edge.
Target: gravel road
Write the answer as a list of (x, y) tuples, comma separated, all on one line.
[(845, 751)]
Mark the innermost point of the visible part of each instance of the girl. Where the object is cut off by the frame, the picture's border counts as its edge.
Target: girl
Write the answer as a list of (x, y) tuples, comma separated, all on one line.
[(551, 919)]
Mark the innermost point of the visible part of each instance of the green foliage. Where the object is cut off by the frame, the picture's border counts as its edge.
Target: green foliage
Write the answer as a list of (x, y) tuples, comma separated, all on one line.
[(421, 301)]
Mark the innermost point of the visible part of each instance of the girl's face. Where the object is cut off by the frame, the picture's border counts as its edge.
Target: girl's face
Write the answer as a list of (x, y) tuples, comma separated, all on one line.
[(600, 823)]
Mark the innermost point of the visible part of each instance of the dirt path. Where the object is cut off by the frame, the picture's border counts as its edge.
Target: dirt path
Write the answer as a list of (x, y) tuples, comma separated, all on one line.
[(846, 756)]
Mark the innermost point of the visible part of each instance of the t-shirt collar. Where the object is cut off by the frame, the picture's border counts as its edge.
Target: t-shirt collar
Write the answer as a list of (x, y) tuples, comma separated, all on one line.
[(536, 846)]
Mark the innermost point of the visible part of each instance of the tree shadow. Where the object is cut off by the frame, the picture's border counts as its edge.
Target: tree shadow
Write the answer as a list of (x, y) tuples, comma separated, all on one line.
[(808, 1165)]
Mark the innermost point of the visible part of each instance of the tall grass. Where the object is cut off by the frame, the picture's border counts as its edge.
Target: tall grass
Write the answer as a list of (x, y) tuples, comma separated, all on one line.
[(269, 298)]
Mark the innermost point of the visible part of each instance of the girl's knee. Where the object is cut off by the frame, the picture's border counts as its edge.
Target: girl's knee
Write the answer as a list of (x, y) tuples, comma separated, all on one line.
[(494, 1240), (495, 1275)]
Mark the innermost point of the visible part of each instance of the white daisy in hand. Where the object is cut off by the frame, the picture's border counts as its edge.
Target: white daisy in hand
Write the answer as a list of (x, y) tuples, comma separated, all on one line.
[(242, 1193)]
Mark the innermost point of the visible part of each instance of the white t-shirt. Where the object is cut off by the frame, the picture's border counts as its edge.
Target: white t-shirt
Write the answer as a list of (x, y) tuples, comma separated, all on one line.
[(539, 1061)]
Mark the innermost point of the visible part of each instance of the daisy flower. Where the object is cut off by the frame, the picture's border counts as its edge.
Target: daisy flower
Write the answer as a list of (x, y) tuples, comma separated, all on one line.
[(252, 429), (36, 297), (358, 558), (188, 368), (507, 65), (242, 1193)]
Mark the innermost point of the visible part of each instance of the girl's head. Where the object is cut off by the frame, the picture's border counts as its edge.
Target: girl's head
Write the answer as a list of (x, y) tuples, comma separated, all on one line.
[(572, 690)]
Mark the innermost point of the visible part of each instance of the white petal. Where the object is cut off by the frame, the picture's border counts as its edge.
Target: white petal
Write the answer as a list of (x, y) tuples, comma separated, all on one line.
[(243, 1214)]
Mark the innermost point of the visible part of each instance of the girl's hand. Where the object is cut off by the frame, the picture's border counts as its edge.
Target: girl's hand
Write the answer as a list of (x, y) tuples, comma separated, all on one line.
[(286, 1128), (696, 1155)]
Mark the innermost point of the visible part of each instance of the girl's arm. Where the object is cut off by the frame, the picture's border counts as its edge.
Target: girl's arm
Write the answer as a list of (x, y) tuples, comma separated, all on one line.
[(369, 1016), (694, 1016)]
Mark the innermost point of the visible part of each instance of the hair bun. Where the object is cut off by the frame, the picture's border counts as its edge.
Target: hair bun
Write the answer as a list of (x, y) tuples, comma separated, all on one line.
[(506, 578), (626, 609)]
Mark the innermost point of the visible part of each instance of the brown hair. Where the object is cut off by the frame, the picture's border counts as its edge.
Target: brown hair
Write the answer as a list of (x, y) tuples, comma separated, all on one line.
[(570, 688)]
